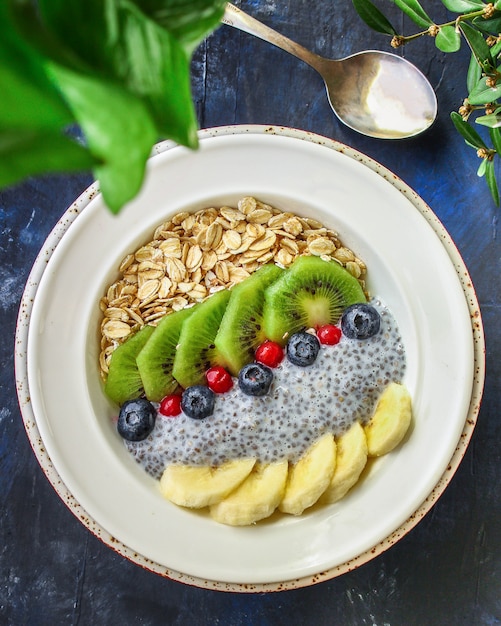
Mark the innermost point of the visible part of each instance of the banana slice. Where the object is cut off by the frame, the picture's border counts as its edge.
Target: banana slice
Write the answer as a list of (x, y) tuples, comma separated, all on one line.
[(199, 486), (310, 476), (256, 498), (351, 458), (390, 421)]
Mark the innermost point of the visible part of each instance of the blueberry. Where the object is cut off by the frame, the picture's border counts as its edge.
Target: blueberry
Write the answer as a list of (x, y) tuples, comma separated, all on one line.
[(136, 419), (198, 402), (360, 321), (303, 348), (255, 379)]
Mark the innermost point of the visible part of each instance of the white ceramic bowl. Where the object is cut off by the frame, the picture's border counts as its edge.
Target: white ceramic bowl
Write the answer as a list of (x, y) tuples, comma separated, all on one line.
[(413, 265)]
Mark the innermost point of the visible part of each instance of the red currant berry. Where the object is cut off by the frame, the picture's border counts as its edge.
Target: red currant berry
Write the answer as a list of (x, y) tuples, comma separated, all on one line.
[(269, 353), (329, 334), (170, 405), (218, 379)]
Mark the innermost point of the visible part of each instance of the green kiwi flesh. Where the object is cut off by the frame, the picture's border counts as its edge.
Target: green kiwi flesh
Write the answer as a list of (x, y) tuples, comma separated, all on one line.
[(156, 359), (311, 293), (124, 381), (241, 330), (196, 351)]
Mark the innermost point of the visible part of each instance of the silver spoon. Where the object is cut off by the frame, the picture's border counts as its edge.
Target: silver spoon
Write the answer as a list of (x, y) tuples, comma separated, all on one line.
[(376, 93)]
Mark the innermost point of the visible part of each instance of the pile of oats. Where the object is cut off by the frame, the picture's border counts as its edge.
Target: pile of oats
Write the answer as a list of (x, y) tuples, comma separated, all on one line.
[(193, 255)]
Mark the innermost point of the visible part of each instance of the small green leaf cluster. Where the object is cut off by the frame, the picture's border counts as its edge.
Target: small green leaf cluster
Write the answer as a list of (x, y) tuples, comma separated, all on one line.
[(117, 69), (478, 23)]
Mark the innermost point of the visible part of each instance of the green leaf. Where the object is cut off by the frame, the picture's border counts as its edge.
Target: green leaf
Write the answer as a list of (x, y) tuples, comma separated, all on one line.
[(493, 120), (481, 168), (120, 43), (33, 114), (495, 135), (474, 74), (467, 132), (119, 130), (189, 21), (94, 24), (490, 177), (477, 45), (29, 99), (27, 152), (119, 68), (491, 25), (496, 48), (463, 6), (156, 67), (482, 94), (27, 20), (415, 11), (373, 17), (448, 39)]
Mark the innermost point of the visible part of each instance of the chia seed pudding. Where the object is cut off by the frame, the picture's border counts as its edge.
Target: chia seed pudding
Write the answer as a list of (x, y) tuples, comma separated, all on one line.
[(342, 386)]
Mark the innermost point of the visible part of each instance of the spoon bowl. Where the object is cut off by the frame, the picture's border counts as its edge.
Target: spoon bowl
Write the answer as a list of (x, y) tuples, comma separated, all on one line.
[(375, 93)]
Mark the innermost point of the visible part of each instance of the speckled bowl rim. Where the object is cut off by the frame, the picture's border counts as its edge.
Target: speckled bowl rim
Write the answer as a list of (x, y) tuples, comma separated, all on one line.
[(52, 475)]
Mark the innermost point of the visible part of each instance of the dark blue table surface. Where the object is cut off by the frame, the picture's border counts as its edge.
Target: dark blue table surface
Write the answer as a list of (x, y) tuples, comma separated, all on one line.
[(447, 570)]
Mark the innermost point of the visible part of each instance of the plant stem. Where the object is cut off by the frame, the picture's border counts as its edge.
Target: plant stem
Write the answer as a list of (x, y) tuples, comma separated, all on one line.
[(461, 18)]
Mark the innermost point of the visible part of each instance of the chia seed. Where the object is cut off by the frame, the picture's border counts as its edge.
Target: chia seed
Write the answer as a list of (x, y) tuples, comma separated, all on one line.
[(303, 403)]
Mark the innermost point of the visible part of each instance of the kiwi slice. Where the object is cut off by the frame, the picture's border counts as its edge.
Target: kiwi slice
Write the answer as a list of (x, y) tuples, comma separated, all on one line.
[(311, 293), (196, 351), (124, 381), (241, 330), (156, 359)]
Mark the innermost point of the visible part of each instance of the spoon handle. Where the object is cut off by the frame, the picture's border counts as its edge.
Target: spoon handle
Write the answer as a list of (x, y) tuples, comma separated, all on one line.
[(233, 16)]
